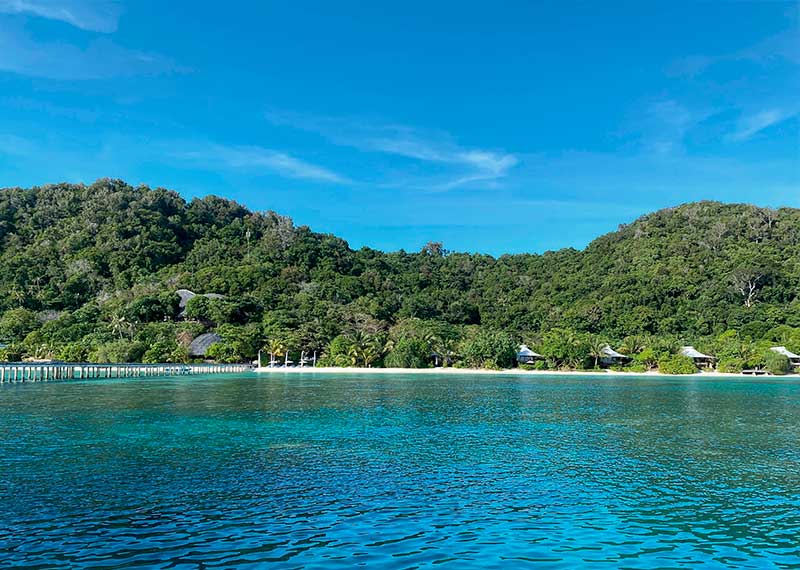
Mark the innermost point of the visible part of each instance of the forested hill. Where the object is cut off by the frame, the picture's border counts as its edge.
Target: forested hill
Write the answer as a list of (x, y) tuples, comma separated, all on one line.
[(84, 266)]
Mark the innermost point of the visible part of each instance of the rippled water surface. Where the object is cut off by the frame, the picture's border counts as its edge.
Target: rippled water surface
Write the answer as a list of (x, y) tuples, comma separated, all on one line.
[(400, 472)]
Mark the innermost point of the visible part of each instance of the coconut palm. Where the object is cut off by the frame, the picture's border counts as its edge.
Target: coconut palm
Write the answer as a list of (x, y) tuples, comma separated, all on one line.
[(633, 344), (596, 346), (445, 348), (120, 325), (275, 348)]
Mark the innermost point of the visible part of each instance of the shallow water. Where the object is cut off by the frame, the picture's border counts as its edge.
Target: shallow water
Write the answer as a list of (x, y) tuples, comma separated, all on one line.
[(400, 472)]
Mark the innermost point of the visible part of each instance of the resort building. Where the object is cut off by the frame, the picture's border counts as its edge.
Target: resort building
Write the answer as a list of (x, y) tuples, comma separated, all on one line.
[(611, 357), (199, 346), (794, 359), (187, 295), (701, 360), (526, 355)]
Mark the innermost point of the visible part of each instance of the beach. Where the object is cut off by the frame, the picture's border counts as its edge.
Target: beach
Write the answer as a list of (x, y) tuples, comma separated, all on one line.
[(474, 371)]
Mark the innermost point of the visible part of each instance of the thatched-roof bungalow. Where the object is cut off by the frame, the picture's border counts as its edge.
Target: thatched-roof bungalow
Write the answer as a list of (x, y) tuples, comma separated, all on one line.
[(701, 360), (611, 357), (526, 356), (794, 359), (200, 345)]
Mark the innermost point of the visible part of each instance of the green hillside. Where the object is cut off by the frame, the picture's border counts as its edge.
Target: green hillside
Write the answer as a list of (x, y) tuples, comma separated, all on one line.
[(90, 272)]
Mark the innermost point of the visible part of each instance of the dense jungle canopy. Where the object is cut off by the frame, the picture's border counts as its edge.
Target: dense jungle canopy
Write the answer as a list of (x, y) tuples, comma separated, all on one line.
[(90, 272)]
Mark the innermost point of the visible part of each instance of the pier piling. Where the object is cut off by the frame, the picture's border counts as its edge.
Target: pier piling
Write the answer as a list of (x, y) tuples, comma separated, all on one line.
[(50, 371)]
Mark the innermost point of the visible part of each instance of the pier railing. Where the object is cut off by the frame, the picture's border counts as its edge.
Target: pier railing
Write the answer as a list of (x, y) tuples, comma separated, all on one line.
[(45, 371)]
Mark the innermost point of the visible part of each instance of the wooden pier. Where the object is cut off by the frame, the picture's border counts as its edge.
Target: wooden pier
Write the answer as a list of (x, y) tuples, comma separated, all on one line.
[(46, 371)]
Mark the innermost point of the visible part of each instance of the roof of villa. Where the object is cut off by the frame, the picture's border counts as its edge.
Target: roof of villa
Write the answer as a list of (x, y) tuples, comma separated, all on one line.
[(692, 352), (784, 351), (610, 352), (199, 346), (525, 351)]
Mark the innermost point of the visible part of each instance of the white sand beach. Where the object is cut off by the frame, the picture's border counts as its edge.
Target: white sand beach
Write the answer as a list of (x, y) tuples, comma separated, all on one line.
[(473, 371)]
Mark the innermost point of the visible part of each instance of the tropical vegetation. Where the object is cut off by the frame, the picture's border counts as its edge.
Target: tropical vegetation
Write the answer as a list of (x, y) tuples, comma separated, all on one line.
[(89, 272)]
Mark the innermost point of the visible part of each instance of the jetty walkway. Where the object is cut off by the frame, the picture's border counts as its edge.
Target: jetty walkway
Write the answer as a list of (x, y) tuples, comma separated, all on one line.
[(46, 371)]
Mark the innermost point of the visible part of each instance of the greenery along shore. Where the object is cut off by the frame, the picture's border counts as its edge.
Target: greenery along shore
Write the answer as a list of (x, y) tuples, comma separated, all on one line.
[(90, 273)]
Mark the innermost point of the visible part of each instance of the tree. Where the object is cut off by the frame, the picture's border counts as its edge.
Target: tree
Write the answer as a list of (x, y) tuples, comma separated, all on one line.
[(677, 364), (409, 353), (596, 346), (747, 283), (276, 348), (489, 349), (15, 324), (120, 326), (776, 363)]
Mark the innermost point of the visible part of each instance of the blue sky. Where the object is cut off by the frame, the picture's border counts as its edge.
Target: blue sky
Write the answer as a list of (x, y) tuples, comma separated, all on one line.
[(491, 126)]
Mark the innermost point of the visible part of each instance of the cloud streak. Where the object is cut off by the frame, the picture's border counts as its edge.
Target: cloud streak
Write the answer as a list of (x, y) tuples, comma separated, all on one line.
[(751, 125), (256, 158), (468, 166), (90, 15), (100, 59), (784, 46)]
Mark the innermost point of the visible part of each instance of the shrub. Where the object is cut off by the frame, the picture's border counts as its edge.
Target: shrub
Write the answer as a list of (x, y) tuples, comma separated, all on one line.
[(11, 353), (777, 364), (223, 351), (72, 352), (489, 349), (15, 324), (677, 364), (636, 367), (151, 308), (337, 353), (646, 359), (118, 351), (409, 353), (731, 365)]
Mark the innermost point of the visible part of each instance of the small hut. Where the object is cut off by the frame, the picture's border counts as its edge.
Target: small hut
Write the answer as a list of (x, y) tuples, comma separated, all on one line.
[(794, 359), (611, 357), (199, 346), (701, 360), (526, 356)]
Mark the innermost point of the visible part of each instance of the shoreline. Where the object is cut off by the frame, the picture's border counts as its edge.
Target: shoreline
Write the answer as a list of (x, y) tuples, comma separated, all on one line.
[(509, 372)]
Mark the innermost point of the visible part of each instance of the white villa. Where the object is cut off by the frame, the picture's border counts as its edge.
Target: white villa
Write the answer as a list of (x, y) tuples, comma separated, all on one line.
[(525, 355), (611, 357), (794, 359), (700, 359)]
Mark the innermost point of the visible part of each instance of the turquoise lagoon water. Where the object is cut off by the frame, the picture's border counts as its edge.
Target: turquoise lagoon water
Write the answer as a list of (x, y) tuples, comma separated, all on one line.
[(303, 471)]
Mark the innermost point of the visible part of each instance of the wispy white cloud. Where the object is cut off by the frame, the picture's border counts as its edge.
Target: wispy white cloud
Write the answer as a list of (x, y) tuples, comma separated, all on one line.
[(91, 15), (101, 59), (256, 158), (16, 146), (783, 46), (466, 166), (750, 125), (661, 126)]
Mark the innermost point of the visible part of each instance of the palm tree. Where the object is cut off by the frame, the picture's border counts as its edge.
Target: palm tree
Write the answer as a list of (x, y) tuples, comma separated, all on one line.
[(275, 348), (353, 354), (445, 348), (596, 347), (633, 344), (120, 325)]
